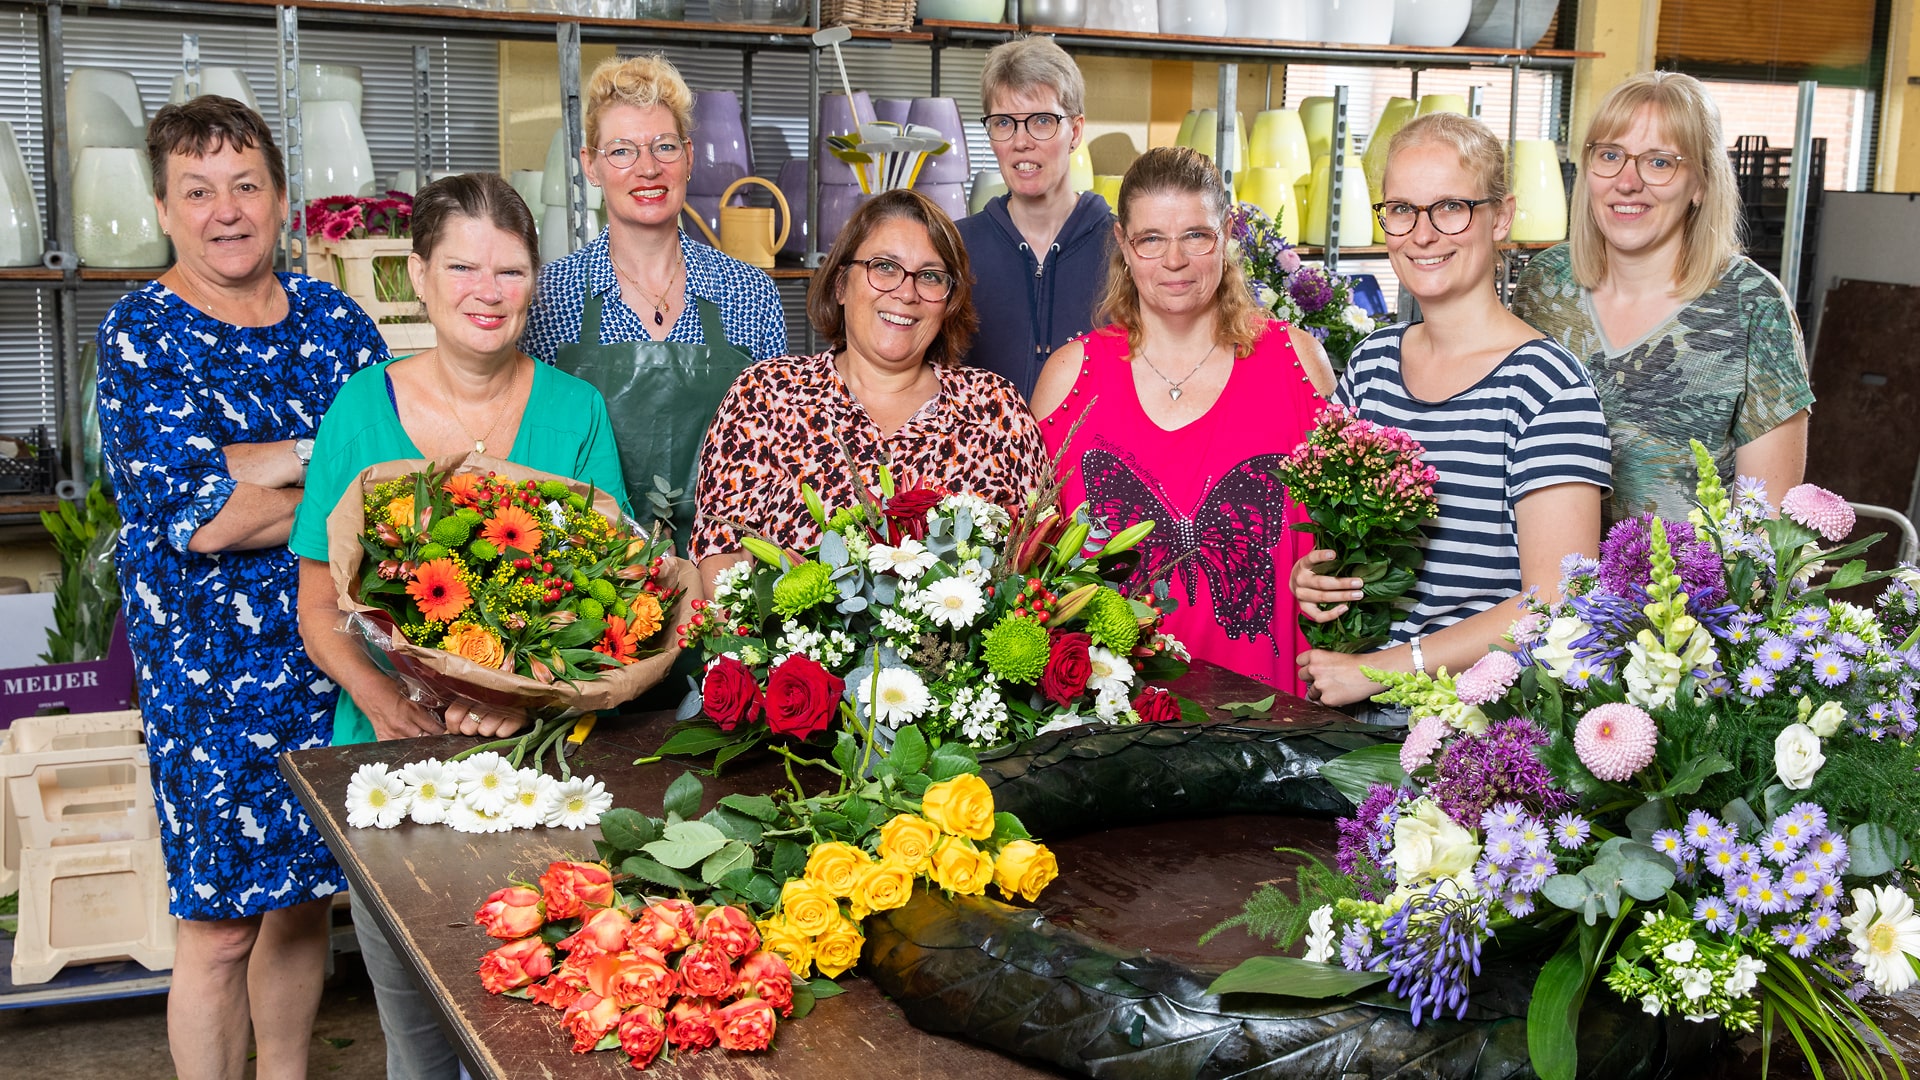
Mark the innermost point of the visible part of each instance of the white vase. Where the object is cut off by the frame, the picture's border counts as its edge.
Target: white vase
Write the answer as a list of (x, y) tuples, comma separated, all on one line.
[(988, 184), (1274, 20), (334, 155), (229, 82), (1359, 22), (115, 223), (1135, 16), (528, 183), (1430, 24), (104, 109), (1194, 18), (558, 170), (20, 236), (332, 82), (1539, 193)]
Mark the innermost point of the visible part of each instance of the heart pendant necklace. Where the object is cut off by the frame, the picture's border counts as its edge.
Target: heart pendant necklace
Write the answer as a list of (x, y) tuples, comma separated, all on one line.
[(1173, 385)]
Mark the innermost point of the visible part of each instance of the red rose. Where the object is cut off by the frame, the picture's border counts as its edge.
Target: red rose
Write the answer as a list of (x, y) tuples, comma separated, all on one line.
[(730, 694), (801, 698), (1156, 706), (765, 975), (554, 992), (570, 888), (729, 930), (603, 932), (634, 978), (1068, 669), (588, 1019), (516, 964), (513, 912), (906, 513), (643, 1032), (690, 1024), (746, 1024), (705, 971)]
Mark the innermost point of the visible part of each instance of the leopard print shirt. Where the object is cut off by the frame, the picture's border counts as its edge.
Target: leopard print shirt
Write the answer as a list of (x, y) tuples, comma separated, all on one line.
[(777, 429)]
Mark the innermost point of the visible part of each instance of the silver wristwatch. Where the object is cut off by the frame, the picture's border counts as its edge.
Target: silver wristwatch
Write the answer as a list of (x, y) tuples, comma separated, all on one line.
[(303, 449)]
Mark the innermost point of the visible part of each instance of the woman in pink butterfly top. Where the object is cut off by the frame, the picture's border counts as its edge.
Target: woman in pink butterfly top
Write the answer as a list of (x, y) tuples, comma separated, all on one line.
[(1186, 402)]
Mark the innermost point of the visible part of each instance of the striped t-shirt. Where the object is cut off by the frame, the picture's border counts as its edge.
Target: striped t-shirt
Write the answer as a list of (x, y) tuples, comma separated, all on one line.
[(1531, 423)]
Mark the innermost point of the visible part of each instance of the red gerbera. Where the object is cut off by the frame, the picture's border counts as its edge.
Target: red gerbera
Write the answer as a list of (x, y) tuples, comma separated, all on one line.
[(513, 527), (437, 588), (619, 642)]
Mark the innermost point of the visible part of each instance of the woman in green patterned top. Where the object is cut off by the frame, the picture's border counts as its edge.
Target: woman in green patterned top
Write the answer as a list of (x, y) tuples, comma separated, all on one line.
[(1684, 336)]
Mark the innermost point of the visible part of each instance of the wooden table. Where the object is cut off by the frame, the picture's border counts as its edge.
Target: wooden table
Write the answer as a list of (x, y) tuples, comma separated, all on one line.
[(422, 884)]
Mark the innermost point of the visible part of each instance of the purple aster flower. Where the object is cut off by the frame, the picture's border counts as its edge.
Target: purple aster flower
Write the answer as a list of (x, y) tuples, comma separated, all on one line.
[(1822, 924), (1751, 491), (1903, 711), (1811, 817), (1535, 874), (1367, 837), (1802, 878), (1740, 893), (1533, 836), (1700, 829), (1848, 644), (1830, 669), (1776, 652), (1771, 899), (1518, 904), (1584, 671), (1310, 289), (1746, 858), (1782, 842), (1714, 913), (1490, 876), (1876, 733), (1879, 713), (1471, 775), (1756, 681), (1570, 831), (1799, 941), (1356, 947), (1804, 632), (1505, 812), (1815, 617), (1578, 565), (1502, 847), (1670, 843), (1719, 859), (1718, 686), (1830, 846)]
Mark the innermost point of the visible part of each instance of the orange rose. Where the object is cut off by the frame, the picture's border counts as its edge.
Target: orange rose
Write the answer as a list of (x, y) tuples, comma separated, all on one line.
[(516, 964), (729, 930), (570, 888), (603, 932), (658, 929), (1023, 869), (400, 513), (644, 616), (510, 913), (634, 978), (643, 1032), (475, 643), (690, 1024), (765, 975), (588, 1019), (746, 1024), (705, 970), (962, 806)]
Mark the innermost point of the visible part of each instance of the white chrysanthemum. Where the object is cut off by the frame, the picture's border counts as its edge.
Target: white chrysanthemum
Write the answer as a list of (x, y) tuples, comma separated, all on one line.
[(376, 798), (578, 803), (533, 794), (894, 695), (953, 601), (909, 559), (435, 787), (1884, 932), (487, 782), (1320, 935), (1357, 318), (1111, 674), (1111, 703)]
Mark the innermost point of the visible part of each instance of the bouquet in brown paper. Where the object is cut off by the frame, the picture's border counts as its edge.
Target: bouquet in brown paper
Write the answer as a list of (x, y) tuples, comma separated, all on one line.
[(475, 578)]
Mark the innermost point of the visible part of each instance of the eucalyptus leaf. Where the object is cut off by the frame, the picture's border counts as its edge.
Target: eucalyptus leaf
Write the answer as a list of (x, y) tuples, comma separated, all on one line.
[(1644, 880), (1567, 891), (1288, 976), (690, 705), (683, 796), (1647, 818), (853, 605), (833, 549), (1777, 798), (963, 524), (1874, 850), (1741, 816)]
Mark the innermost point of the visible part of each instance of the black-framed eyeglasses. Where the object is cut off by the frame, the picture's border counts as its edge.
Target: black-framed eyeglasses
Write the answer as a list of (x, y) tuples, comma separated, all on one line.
[(1041, 125), (1193, 243), (624, 154), (1449, 217), (1656, 167), (885, 275)]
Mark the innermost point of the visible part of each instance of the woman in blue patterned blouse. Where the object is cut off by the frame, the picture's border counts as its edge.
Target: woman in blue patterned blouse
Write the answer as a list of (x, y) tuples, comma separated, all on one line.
[(212, 379)]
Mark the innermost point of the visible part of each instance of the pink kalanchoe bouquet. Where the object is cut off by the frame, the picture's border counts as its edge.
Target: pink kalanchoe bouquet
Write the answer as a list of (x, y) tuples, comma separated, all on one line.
[(1367, 493)]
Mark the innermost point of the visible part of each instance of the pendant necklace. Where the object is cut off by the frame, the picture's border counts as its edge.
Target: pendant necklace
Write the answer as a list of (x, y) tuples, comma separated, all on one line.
[(659, 302), (446, 391), (1173, 385)]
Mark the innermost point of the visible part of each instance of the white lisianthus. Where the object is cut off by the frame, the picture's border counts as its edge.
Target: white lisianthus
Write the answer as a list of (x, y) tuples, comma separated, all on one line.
[(1797, 756), (907, 559), (1429, 845), (1111, 674), (1266, 297), (953, 601), (487, 782), (578, 803), (1746, 976), (1827, 719), (1884, 932), (894, 696), (376, 798), (435, 787), (1320, 934), (989, 521), (1556, 652)]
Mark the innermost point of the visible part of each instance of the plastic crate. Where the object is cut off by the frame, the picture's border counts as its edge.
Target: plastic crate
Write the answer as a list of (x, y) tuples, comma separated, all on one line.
[(97, 746), (91, 802), (32, 475), (92, 902)]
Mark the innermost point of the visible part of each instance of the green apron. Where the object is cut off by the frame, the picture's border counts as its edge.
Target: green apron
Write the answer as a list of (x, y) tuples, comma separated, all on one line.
[(662, 395)]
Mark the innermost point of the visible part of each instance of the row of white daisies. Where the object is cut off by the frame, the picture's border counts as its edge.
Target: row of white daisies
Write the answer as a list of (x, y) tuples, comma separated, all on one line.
[(483, 793)]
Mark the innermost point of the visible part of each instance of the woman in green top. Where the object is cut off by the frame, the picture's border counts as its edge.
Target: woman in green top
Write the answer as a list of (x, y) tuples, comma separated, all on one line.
[(1685, 337)]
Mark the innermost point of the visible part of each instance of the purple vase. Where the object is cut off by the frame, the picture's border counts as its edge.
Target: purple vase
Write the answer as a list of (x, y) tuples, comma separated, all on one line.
[(721, 153), (837, 119), (943, 115), (793, 184), (837, 204), (892, 110)]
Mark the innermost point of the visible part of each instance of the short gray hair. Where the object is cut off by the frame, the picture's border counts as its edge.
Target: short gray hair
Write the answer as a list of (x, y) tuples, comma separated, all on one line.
[(1030, 63)]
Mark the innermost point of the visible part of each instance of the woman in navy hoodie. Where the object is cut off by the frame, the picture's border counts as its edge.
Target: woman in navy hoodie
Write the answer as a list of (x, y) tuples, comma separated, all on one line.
[(1039, 252)]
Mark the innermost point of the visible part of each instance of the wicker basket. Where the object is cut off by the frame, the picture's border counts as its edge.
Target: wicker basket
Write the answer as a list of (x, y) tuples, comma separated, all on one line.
[(868, 14)]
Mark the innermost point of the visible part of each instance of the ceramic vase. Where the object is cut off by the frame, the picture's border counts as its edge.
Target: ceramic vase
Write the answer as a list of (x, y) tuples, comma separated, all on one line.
[(1399, 110), (950, 198), (1434, 103), (759, 12), (528, 183), (943, 115), (1272, 191), (20, 236), (1108, 188), (229, 82), (1355, 213), (1275, 20), (104, 109), (115, 223), (1206, 139), (332, 82), (987, 185), (1066, 14), (1193, 18), (1316, 116), (836, 118), (1279, 141), (1491, 24), (987, 11), (718, 142), (1539, 192), (1359, 22), (793, 184), (892, 110), (1430, 24), (1080, 169), (334, 152), (558, 171), (1184, 137), (1134, 16), (837, 204)]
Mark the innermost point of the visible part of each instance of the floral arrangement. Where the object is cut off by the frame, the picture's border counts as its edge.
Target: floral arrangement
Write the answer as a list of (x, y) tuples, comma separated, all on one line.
[(353, 217), (1691, 780), (1310, 297), (1366, 492), (478, 792), (934, 609)]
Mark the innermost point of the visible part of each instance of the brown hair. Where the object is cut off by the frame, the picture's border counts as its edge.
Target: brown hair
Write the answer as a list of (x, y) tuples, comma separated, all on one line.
[(483, 196), (961, 320), (639, 81), (1240, 321), (204, 126), (1689, 117)]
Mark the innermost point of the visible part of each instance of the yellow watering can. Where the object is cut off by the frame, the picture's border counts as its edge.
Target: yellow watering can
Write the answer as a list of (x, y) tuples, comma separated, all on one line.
[(746, 232)]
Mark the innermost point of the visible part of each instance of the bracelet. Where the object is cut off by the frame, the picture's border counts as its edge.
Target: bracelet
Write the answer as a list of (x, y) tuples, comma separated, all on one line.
[(1419, 661)]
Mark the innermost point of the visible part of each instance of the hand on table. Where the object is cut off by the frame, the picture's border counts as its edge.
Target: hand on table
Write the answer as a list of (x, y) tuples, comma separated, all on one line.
[(490, 721)]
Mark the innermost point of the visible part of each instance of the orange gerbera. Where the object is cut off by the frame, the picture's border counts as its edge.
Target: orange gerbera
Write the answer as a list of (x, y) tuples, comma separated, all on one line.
[(619, 642), (513, 527), (644, 615), (464, 489), (437, 588)]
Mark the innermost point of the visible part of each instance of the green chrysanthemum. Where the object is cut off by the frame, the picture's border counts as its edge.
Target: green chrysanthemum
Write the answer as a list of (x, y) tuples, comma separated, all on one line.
[(589, 608), (451, 531), (469, 515), (603, 591), (846, 516), (1016, 649), (1110, 620), (431, 552), (580, 581), (554, 489), (483, 550), (802, 587), (576, 502)]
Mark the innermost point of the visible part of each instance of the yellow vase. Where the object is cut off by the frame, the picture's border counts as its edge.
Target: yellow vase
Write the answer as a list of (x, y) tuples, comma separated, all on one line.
[(1080, 169), (1539, 193), (1279, 141), (1108, 188), (1399, 110), (1185, 137), (1271, 190), (1433, 103), (1355, 214), (1316, 115)]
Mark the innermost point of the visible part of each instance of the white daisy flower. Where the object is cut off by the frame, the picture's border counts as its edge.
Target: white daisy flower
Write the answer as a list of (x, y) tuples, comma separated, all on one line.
[(909, 559), (434, 786), (1111, 674), (532, 800), (376, 798), (464, 818), (487, 782), (895, 695), (578, 803), (1884, 932), (953, 601)]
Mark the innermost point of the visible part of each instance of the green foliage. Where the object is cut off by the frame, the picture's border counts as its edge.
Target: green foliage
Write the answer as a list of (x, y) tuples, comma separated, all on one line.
[(1271, 915), (1351, 774), (1286, 976), (88, 596)]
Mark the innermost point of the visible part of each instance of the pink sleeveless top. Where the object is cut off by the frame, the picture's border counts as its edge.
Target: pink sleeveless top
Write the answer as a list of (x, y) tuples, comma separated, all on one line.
[(1209, 487)]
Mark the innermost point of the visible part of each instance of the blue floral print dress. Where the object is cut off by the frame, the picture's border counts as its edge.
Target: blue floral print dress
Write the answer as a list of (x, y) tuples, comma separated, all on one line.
[(224, 683)]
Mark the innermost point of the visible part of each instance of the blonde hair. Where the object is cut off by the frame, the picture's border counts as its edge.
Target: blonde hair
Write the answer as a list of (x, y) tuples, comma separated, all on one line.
[(1688, 117), (1029, 63), (1239, 320), (1481, 151), (639, 81)]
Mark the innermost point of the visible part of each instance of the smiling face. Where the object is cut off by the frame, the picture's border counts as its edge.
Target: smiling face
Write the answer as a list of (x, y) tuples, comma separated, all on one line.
[(223, 213), (893, 329), (477, 286), (1035, 168), (1430, 264), (1634, 216), (649, 193), (1176, 282)]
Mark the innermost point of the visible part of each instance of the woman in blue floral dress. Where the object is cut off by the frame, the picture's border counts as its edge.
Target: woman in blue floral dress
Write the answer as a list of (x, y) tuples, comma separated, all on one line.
[(212, 380)]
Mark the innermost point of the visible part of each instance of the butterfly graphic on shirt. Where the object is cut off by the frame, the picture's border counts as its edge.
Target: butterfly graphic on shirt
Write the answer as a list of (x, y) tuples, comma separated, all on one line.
[(1229, 536)]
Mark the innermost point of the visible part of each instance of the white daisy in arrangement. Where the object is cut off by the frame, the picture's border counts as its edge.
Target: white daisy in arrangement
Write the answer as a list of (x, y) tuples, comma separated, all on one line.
[(909, 559), (435, 787), (578, 803), (895, 695), (465, 818), (953, 601), (376, 798), (1111, 674), (487, 782), (1110, 702), (1884, 931), (532, 799)]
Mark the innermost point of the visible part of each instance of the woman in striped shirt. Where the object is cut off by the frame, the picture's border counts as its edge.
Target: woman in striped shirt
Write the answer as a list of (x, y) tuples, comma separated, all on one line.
[(1509, 418)]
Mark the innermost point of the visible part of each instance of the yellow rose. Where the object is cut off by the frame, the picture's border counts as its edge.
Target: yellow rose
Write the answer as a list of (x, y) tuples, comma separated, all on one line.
[(883, 886), (908, 839), (838, 948), (809, 907), (475, 643), (400, 512), (837, 866), (777, 935), (1023, 869), (962, 806), (961, 867)]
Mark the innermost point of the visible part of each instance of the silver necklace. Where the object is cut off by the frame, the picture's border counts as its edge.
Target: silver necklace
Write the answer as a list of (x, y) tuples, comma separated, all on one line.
[(1173, 385)]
